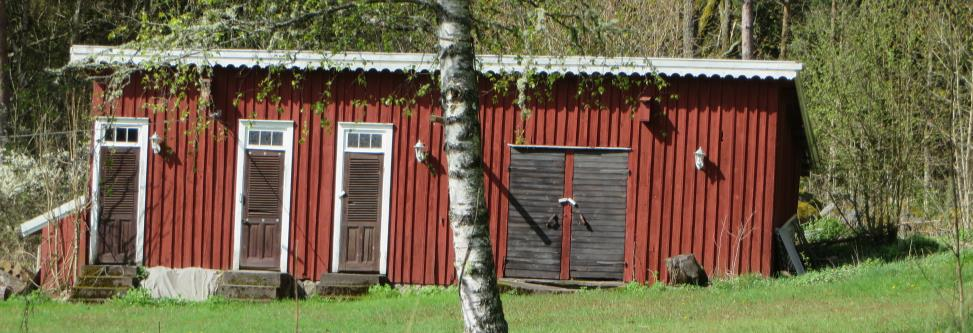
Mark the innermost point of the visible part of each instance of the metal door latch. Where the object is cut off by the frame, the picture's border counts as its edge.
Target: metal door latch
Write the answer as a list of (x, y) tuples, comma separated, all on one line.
[(552, 222)]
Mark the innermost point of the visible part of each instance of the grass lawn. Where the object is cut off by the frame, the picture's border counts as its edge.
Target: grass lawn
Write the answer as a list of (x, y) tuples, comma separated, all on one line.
[(876, 296)]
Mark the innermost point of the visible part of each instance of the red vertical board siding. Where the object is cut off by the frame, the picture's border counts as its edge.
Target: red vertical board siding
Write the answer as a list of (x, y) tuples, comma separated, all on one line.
[(742, 126)]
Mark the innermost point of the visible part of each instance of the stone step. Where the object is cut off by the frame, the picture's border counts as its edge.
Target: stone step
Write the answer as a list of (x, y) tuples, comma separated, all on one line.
[(96, 293), (325, 290), (523, 286), (348, 279), (347, 284), (249, 293), (576, 284), (109, 270), (106, 281), (251, 278)]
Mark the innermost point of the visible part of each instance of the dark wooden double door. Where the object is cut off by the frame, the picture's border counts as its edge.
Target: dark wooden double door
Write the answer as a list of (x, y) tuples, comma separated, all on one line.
[(538, 223), (117, 205)]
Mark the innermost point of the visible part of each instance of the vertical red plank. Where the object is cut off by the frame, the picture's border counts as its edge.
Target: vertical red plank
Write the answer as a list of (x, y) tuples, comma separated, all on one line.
[(566, 216), (323, 159), (495, 115), (604, 118), (715, 176), (760, 158), (767, 192), (422, 198), (631, 193), (398, 183), (691, 102)]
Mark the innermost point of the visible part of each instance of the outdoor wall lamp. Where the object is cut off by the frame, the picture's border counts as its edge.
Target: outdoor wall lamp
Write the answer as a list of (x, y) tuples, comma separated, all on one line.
[(700, 158), (421, 153), (156, 146)]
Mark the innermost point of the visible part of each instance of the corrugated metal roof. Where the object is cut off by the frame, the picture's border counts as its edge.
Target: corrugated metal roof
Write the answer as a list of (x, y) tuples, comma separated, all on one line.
[(238, 58), (38, 222)]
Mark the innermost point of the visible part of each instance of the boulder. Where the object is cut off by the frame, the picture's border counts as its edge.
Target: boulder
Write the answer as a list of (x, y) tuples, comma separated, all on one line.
[(14, 279), (684, 269)]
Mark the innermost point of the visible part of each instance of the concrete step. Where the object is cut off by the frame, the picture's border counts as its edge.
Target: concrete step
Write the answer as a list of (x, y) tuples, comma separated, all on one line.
[(109, 270), (99, 283), (254, 285), (96, 294), (106, 281), (325, 290), (347, 284), (522, 286), (577, 284), (251, 278), (247, 293), (349, 279)]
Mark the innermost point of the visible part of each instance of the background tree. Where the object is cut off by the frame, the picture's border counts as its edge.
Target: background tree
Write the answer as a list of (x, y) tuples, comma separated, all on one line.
[(746, 30)]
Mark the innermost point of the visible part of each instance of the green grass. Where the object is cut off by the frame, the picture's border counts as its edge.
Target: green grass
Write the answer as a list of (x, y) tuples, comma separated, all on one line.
[(875, 296)]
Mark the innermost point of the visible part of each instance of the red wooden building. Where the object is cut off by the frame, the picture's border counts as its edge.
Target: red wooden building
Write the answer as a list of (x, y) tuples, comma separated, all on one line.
[(325, 176)]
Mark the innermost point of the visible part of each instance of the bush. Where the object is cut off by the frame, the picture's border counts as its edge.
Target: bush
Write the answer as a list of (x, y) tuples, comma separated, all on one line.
[(136, 296), (806, 211), (826, 228)]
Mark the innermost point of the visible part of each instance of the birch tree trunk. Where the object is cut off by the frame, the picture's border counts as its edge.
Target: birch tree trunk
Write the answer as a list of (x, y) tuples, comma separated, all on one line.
[(746, 30), (475, 270)]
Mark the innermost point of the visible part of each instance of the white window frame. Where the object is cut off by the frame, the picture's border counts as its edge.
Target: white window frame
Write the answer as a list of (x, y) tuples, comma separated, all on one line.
[(245, 126), (386, 149), (102, 124)]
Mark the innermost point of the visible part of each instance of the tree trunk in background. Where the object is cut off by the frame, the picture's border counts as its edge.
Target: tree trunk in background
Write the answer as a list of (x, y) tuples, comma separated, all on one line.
[(726, 9), (4, 67), (746, 30), (688, 29), (475, 269), (785, 16)]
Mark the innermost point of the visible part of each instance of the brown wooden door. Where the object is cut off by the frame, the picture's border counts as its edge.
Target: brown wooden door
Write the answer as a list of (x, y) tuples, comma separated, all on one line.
[(117, 205), (534, 224), (361, 212), (262, 203), (598, 241)]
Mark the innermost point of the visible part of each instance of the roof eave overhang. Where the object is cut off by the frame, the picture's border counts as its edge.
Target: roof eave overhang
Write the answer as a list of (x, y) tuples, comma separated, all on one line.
[(40, 221), (426, 62)]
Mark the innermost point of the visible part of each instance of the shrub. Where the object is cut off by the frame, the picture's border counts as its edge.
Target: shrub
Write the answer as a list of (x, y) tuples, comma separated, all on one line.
[(806, 211), (136, 296), (826, 228)]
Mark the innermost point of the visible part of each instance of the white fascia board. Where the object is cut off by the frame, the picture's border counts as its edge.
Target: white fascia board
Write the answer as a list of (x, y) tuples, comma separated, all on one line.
[(40, 221), (378, 61)]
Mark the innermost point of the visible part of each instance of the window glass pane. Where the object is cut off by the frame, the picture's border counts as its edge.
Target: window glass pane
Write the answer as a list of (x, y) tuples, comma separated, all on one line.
[(278, 138), (110, 134), (133, 135), (376, 141), (364, 141), (353, 140), (120, 135), (254, 137), (264, 138)]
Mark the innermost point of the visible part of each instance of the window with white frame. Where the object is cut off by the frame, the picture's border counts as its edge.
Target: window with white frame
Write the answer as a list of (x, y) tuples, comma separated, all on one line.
[(118, 134), (362, 139), (267, 138)]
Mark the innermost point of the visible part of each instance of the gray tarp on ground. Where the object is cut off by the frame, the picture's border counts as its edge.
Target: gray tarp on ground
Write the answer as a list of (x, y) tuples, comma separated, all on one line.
[(192, 284)]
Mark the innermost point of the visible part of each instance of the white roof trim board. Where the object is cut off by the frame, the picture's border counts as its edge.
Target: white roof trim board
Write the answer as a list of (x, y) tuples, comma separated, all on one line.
[(38, 222), (368, 61)]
